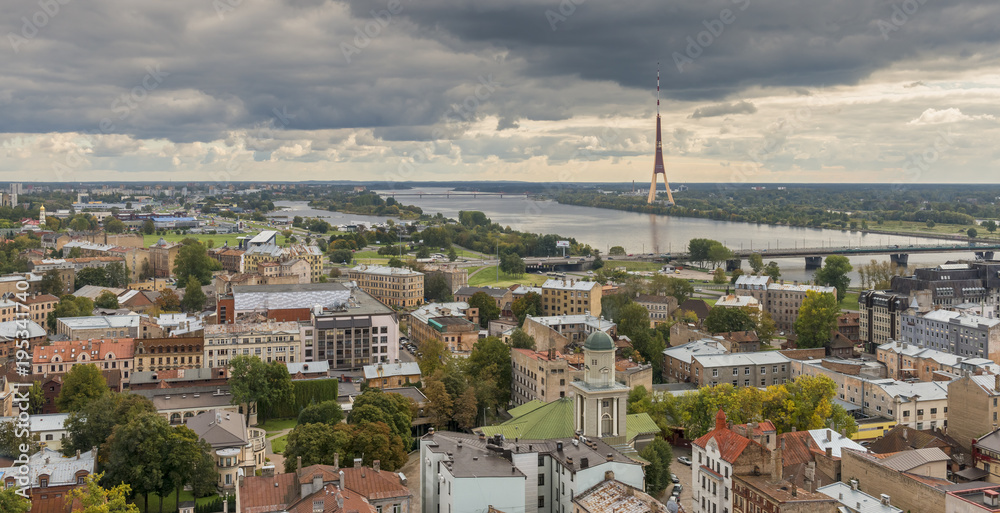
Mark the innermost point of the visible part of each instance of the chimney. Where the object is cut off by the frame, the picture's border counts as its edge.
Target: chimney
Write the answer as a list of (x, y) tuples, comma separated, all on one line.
[(905, 434), (777, 462), (336, 461), (317, 482), (298, 466), (996, 382), (78, 454), (829, 435), (375, 465), (609, 475), (569, 462), (854, 484), (829, 452), (611, 457)]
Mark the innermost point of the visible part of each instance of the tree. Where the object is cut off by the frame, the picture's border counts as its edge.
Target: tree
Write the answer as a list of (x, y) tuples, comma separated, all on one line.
[(279, 388), (598, 262), (70, 306), (97, 276), (11, 502), (52, 284), (434, 356), (341, 256), (148, 227), (395, 411), (326, 412), (53, 223), (719, 276), (452, 255), (168, 301), (632, 319), (117, 275), (718, 253), (92, 426), (106, 299), (817, 318), (396, 262), (248, 382), (194, 296), (13, 439), (972, 233), (189, 462), (436, 288), (616, 251), (835, 274), (659, 456), (698, 249), (466, 409), (83, 384), (36, 398), (773, 270), (722, 320), (137, 452), (663, 285), (991, 226), (488, 309), (756, 263), (512, 265), (79, 223), (521, 340), (735, 276), (489, 364), (113, 225), (193, 260), (377, 441), (316, 443), (440, 405), (528, 304), (765, 326)]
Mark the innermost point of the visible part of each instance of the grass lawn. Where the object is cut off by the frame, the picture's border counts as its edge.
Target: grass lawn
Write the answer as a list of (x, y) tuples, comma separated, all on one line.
[(850, 302), (915, 227), (275, 425), (631, 265), (278, 444), (170, 501), (488, 277)]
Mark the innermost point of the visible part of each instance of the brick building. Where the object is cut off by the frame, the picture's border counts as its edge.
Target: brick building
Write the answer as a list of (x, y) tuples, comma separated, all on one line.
[(567, 297)]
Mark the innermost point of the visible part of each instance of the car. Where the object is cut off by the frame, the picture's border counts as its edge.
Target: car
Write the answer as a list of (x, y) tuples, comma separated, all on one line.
[(674, 479), (684, 461), (676, 492)]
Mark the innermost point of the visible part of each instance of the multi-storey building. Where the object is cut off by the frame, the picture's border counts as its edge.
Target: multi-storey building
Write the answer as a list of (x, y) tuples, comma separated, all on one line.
[(462, 473), (772, 493), (951, 285), (500, 296), (541, 375), (565, 332), (880, 318), (398, 287), (741, 369), (60, 357), (454, 324), (39, 306), (456, 277), (568, 297), (271, 341), (256, 255), (677, 360), (717, 457), (849, 325), (392, 375), (282, 302), (661, 308), (973, 410), (753, 286), (160, 354), (782, 301), (968, 336), (230, 258), (99, 326), (904, 361), (325, 488), (161, 258), (238, 450), (350, 335)]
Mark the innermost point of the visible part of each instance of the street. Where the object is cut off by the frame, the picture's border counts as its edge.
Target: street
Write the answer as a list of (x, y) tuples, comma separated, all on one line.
[(683, 473)]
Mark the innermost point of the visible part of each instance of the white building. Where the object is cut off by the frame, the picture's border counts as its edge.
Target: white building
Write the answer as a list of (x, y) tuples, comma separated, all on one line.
[(462, 473), (50, 429)]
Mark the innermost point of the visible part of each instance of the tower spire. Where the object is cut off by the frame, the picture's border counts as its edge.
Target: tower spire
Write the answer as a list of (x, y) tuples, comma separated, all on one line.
[(658, 162)]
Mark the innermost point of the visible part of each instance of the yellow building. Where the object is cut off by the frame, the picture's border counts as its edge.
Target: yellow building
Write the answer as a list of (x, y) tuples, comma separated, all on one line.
[(392, 375), (256, 255), (567, 297), (395, 286), (270, 341)]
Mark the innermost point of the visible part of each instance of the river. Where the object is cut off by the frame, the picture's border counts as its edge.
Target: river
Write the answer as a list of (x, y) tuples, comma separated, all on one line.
[(646, 233)]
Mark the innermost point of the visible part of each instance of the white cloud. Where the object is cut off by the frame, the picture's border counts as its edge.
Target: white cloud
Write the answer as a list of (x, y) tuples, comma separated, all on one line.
[(935, 117)]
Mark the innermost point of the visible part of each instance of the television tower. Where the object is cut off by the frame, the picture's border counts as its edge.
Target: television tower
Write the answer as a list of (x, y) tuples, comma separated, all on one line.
[(658, 163)]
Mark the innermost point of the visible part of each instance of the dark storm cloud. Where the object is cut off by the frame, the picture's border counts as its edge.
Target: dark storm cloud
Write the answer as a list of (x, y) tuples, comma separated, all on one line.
[(186, 71), (724, 109)]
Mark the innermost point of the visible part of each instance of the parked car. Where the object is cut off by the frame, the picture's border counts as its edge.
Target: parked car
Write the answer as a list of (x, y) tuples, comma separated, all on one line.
[(684, 461), (674, 479), (676, 492)]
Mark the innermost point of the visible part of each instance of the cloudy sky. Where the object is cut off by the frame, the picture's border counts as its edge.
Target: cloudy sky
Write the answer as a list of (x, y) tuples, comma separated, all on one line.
[(751, 90)]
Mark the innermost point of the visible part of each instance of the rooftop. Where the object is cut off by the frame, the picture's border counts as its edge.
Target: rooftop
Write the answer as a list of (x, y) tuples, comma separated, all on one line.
[(387, 370), (858, 501), (44, 423), (801, 288), (965, 320), (613, 496), (288, 296), (562, 320), (687, 352), (736, 359), (219, 428), (382, 270), (101, 322), (570, 285), (782, 491)]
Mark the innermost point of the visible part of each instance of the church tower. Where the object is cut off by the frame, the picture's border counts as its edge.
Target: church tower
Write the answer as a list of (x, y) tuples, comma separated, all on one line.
[(658, 168), (599, 401), (41, 216)]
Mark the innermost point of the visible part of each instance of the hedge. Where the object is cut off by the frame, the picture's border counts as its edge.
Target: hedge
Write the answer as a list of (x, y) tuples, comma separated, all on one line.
[(304, 393)]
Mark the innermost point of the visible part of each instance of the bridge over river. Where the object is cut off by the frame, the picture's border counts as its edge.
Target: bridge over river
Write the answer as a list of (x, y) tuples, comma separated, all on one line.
[(898, 254)]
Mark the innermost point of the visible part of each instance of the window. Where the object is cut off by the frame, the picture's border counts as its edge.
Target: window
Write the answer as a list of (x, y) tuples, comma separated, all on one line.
[(920, 412), (746, 370), (541, 479), (715, 373), (80, 479), (736, 372), (541, 501), (43, 482)]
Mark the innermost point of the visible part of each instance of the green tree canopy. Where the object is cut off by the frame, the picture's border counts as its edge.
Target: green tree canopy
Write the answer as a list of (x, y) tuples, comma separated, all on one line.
[(722, 319), (193, 260), (113, 225), (835, 274), (52, 284), (756, 263), (512, 265), (528, 304), (137, 454), (326, 412), (489, 364), (248, 382), (11, 502), (194, 296), (521, 340), (436, 288), (92, 425), (106, 299), (83, 384), (488, 309), (817, 319)]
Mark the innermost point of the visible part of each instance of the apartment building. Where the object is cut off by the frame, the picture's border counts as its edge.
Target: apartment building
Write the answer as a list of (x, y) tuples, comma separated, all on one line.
[(540, 375), (162, 255), (678, 360), (565, 332), (325, 487), (282, 302), (238, 450), (968, 336), (952, 285), (740, 369), (973, 410), (39, 306), (350, 335), (463, 473), (502, 297), (904, 361), (456, 277), (258, 254), (59, 357), (454, 324), (717, 457), (271, 341), (230, 258), (398, 287), (782, 301), (661, 308), (99, 326), (881, 317), (160, 354), (392, 375), (567, 297)]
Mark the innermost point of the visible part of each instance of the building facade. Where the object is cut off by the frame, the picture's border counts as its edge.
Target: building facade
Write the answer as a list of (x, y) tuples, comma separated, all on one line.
[(397, 287), (271, 341), (160, 354), (540, 375), (568, 297), (348, 337), (968, 336)]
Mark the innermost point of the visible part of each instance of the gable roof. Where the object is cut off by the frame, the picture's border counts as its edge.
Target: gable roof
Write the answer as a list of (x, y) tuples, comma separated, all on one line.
[(698, 306), (219, 428), (731, 444), (374, 484), (902, 438)]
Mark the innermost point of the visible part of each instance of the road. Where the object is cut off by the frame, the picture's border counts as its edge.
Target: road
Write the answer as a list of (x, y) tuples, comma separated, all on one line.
[(683, 473)]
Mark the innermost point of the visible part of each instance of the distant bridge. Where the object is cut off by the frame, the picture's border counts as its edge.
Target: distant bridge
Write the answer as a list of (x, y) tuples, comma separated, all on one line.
[(898, 254), (452, 193)]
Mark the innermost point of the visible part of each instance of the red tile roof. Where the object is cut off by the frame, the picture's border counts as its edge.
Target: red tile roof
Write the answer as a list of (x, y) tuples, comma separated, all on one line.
[(799, 448), (41, 298), (731, 444), (262, 494)]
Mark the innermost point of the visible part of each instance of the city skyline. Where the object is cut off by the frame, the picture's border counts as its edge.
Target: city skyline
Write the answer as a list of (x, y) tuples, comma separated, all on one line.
[(756, 91)]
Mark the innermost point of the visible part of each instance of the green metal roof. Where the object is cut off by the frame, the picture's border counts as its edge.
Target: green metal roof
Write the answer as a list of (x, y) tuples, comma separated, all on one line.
[(639, 424), (525, 408), (599, 341)]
